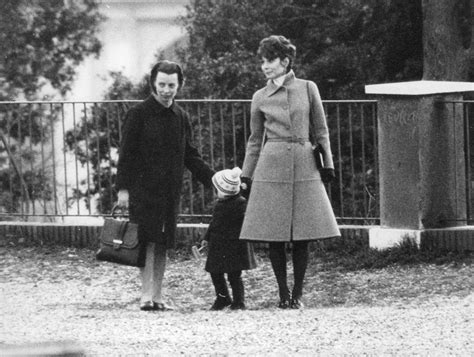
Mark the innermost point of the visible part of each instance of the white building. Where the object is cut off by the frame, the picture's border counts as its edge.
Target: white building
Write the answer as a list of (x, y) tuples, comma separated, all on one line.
[(133, 33)]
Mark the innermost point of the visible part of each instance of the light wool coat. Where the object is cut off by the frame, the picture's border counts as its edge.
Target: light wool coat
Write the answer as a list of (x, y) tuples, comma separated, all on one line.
[(288, 200)]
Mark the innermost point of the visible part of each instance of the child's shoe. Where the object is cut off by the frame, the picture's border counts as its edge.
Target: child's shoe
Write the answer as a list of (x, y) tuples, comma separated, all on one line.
[(237, 305), (221, 302), (238, 294)]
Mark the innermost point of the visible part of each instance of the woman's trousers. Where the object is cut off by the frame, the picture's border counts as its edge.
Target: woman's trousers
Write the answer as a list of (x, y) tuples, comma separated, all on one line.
[(152, 273)]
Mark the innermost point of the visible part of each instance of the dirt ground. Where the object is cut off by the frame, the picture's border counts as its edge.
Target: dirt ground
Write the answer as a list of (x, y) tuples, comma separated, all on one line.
[(54, 295)]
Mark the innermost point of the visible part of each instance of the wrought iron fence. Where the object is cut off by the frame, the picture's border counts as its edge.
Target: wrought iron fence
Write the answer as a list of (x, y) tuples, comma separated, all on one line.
[(58, 159)]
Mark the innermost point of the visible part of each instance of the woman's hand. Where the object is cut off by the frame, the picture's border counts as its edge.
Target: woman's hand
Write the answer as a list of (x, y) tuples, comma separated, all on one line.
[(122, 199), (327, 175)]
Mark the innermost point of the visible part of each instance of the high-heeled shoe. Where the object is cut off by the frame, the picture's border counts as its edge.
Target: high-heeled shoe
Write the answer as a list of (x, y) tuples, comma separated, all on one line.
[(160, 306), (155, 306), (296, 303), (284, 304), (147, 306)]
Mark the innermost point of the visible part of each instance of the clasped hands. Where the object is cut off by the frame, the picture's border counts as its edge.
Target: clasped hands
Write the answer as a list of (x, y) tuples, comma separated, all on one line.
[(327, 176)]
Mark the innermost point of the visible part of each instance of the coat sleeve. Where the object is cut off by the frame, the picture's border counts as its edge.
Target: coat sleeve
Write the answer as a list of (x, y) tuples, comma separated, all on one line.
[(207, 235), (320, 125), (241, 212), (254, 144), (129, 150), (193, 160), (211, 227)]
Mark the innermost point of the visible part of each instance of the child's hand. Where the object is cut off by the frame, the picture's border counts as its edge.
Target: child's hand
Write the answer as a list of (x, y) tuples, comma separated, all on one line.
[(245, 186), (197, 251)]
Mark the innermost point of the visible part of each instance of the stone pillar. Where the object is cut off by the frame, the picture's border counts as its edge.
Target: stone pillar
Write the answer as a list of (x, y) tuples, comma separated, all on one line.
[(421, 158)]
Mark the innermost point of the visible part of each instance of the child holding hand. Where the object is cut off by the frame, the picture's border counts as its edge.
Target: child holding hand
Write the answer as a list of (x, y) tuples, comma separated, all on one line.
[(226, 253)]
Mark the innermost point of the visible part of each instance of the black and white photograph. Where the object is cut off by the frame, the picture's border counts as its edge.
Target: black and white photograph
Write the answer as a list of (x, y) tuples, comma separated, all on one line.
[(236, 178)]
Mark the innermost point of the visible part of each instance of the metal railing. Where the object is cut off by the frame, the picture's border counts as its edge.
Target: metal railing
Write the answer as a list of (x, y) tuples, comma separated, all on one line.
[(58, 159)]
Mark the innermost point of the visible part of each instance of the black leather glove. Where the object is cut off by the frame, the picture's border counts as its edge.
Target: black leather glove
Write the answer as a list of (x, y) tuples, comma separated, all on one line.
[(245, 186), (327, 175)]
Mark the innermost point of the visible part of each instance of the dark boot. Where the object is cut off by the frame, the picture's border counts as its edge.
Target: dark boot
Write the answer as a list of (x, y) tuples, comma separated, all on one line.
[(300, 262), (222, 293), (221, 302), (278, 260), (238, 293)]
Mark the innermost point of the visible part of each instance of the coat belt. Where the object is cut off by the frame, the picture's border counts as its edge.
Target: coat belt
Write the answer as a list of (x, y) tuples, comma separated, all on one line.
[(289, 139)]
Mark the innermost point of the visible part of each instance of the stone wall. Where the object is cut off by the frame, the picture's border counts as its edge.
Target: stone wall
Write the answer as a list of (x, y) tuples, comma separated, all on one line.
[(87, 236)]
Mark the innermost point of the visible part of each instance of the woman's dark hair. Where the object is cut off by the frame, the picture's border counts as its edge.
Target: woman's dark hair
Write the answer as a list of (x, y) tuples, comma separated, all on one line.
[(276, 46), (167, 67)]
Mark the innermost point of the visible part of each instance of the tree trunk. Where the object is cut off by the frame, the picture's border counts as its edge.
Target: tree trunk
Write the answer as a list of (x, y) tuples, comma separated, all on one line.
[(448, 44)]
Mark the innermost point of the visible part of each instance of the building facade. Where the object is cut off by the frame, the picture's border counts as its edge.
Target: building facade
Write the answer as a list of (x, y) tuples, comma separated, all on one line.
[(134, 32)]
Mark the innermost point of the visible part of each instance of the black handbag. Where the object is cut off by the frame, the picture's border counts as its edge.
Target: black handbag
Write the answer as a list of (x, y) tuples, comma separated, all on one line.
[(119, 242), (318, 151), (318, 154)]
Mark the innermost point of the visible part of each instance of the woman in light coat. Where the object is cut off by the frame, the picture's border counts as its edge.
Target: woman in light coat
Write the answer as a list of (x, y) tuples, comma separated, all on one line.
[(288, 201)]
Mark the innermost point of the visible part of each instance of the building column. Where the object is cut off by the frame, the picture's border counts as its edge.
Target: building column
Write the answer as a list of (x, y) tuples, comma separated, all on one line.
[(421, 159)]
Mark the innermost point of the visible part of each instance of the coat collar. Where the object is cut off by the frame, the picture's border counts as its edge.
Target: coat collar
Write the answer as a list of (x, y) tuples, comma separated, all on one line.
[(272, 88), (229, 198), (157, 107)]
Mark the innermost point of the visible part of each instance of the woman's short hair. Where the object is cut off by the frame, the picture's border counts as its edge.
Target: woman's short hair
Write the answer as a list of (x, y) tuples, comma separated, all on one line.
[(167, 67), (277, 46)]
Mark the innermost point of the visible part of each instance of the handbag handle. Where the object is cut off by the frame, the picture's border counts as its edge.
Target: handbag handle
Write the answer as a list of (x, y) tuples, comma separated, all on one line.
[(116, 208)]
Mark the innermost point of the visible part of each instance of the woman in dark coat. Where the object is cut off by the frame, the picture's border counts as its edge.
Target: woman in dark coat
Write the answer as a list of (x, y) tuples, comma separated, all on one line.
[(227, 254), (288, 201), (155, 148)]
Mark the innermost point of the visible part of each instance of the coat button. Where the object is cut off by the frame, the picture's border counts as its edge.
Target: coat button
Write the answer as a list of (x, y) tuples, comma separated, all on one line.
[(285, 107), (289, 147)]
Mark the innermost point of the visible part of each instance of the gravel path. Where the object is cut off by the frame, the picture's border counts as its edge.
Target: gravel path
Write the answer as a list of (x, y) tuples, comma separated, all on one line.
[(95, 304)]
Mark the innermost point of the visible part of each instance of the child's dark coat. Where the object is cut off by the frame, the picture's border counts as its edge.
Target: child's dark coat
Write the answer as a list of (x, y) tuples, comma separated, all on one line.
[(226, 252)]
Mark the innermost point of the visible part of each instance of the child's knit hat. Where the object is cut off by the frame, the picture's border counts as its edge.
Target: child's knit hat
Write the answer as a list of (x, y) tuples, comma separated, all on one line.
[(227, 181)]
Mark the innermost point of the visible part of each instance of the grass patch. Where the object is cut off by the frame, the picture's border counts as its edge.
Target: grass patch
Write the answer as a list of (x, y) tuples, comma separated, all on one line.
[(351, 255)]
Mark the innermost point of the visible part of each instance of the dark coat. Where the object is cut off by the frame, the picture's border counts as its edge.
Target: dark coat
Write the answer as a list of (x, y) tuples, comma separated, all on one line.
[(226, 252), (155, 148)]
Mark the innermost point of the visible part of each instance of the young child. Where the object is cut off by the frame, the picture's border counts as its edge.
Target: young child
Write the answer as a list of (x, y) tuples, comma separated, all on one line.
[(226, 253)]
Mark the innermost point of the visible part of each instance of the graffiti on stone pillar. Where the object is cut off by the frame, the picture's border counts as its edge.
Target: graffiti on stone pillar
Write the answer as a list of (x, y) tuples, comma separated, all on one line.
[(401, 118)]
